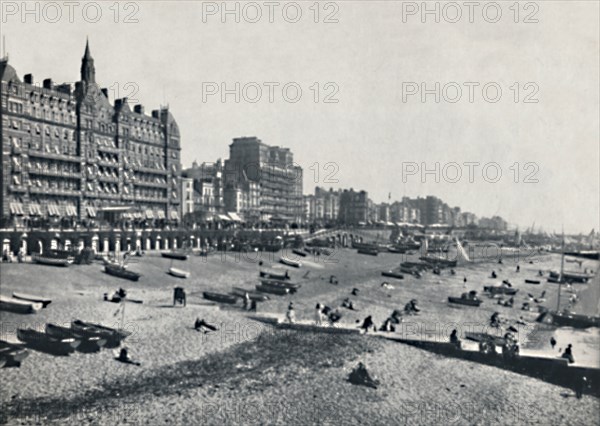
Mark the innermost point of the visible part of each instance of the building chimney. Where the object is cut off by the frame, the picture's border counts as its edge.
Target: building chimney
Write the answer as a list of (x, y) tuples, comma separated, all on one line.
[(156, 114), (28, 78), (139, 109), (48, 83)]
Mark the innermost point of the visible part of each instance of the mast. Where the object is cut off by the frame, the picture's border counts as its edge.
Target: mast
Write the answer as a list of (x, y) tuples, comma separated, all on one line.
[(562, 269)]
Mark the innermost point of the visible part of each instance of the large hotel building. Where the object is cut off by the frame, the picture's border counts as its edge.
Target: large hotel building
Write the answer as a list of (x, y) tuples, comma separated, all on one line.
[(68, 154)]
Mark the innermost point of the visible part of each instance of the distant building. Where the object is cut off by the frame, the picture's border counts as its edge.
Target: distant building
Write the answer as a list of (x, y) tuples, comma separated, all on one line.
[(354, 207), (270, 171), (187, 196), (68, 154)]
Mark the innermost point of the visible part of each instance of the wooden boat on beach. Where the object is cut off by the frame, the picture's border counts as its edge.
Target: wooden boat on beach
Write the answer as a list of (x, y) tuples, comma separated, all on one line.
[(276, 290), (289, 262), (220, 297), (112, 336), (369, 251), (275, 275), (177, 255), (279, 283), (12, 353), (532, 281), (394, 249), (576, 277), (121, 271), (493, 290), (252, 294), (392, 274), (30, 298), (568, 319), (300, 252), (88, 343), (468, 299), (45, 343), (310, 326), (440, 262), (51, 261), (19, 306), (179, 273)]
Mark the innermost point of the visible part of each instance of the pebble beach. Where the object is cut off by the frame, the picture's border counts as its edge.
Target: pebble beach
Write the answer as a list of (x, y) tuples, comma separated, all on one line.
[(248, 372)]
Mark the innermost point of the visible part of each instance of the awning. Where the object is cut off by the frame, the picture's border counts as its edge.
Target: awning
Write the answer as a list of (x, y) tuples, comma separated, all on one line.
[(53, 210), (160, 214), (91, 211), (224, 218), (16, 209), (174, 215), (149, 214), (138, 215), (71, 211), (34, 210), (127, 215), (234, 216)]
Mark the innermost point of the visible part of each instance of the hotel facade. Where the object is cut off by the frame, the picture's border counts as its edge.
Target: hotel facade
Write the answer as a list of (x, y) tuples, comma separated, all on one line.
[(68, 154)]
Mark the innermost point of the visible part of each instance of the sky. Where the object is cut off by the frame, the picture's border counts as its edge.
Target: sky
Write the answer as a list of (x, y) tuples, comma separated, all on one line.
[(366, 116)]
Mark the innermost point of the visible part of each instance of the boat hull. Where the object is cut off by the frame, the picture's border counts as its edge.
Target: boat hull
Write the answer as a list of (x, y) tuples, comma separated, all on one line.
[(42, 342), (279, 291), (176, 256), (120, 272), (19, 306), (31, 298), (220, 297), (392, 274), (466, 302)]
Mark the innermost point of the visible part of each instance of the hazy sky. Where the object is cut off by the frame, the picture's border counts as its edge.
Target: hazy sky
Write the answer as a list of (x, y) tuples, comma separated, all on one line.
[(371, 56)]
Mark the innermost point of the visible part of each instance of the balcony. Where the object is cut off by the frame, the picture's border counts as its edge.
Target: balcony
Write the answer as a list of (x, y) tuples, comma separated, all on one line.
[(15, 188), (150, 199), (151, 184), (111, 149), (55, 191), (54, 156), (46, 172), (111, 179)]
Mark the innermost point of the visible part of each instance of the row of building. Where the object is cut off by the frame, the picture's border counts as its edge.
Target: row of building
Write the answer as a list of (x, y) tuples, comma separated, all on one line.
[(352, 207), (69, 155)]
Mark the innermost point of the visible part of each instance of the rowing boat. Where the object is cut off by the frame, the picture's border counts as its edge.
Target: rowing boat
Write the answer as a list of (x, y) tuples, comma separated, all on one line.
[(121, 272), (290, 262), (88, 343), (45, 343), (464, 301), (532, 281), (369, 251), (392, 274), (19, 306), (299, 252), (178, 273), (51, 261), (30, 298), (220, 297), (252, 294), (12, 353), (177, 255), (275, 275), (279, 283), (509, 291), (279, 291), (112, 335)]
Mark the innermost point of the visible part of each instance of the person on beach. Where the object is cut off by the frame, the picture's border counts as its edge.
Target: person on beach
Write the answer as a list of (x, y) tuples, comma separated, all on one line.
[(495, 320), (568, 354), (454, 338), (518, 268), (291, 314), (541, 273), (360, 376), (552, 342), (367, 324), (347, 303), (247, 301), (494, 275), (318, 314), (201, 325), (355, 291), (580, 387)]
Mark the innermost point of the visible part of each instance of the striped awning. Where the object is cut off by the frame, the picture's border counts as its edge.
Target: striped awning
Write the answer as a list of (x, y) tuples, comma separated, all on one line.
[(234, 216), (71, 211), (53, 210), (35, 210), (174, 215), (149, 214), (160, 214), (138, 215), (224, 218), (16, 209), (127, 215), (91, 211)]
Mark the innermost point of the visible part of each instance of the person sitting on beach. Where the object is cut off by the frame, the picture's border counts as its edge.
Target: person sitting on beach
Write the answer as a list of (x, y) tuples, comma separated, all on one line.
[(355, 291), (201, 325), (347, 303), (334, 316), (526, 306), (436, 271), (360, 376), (500, 261), (454, 338), (411, 307), (495, 320), (540, 273), (124, 355), (387, 285), (487, 346), (568, 354), (333, 279), (291, 314), (452, 272), (494, 275)]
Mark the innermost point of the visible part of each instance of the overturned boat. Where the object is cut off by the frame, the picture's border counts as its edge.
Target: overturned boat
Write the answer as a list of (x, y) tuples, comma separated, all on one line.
[(45, 343), (179, 273), (568, 319), (19, 306), (220, 297), (121, 271), (32, 299), (112, 336), (289, 262)]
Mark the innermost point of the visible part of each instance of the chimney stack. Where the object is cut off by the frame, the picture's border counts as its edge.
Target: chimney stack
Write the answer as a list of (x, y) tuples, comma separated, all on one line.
[(139, 109), (48, 83), (28, 78)]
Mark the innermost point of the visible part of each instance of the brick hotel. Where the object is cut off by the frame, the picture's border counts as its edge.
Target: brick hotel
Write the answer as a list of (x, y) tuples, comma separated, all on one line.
[(69, 155)]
